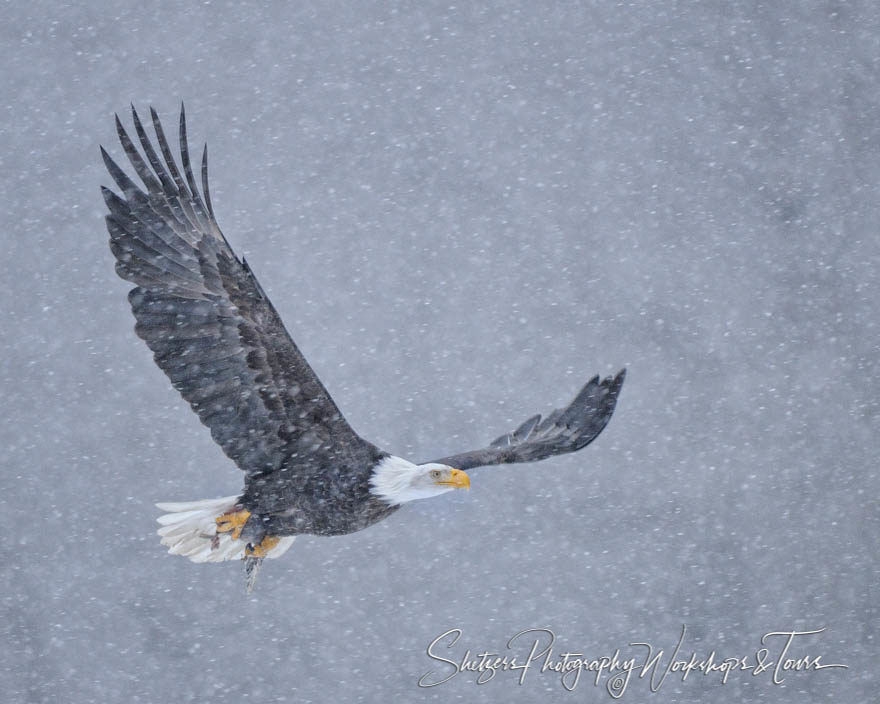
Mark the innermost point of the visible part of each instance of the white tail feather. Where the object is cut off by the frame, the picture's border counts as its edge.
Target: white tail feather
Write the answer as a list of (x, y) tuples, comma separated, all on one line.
[(190, 529)]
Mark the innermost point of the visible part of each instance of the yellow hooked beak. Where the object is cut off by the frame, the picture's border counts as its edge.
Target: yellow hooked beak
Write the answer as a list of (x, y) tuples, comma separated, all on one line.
[(457, 480)]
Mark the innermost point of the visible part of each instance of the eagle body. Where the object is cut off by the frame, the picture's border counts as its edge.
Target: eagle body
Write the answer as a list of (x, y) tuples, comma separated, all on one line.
[(222, 344), (335, 502)]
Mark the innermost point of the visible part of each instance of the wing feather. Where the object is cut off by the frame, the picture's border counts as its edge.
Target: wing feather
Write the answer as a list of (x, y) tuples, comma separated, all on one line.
[(209, 324), (564, 430)]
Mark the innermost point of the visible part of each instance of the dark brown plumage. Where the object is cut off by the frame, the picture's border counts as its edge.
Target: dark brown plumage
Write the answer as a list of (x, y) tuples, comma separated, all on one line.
[(216, 335)]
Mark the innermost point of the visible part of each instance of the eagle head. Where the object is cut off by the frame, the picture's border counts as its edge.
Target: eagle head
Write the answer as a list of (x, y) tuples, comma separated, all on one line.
[(396, 480)]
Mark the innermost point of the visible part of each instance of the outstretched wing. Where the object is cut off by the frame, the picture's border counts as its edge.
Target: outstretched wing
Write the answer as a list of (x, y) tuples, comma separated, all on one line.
[(209, 324), (564, 430)]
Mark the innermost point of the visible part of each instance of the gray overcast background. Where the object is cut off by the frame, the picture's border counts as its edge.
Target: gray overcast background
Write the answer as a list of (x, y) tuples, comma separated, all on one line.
[(462, 213)]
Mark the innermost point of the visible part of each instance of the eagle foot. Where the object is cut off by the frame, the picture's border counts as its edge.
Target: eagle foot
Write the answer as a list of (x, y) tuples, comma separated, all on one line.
[(232, 522), (261, 550)]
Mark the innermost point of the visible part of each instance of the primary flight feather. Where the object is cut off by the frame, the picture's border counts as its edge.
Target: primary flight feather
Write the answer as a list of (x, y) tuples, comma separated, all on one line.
[(214, 332)]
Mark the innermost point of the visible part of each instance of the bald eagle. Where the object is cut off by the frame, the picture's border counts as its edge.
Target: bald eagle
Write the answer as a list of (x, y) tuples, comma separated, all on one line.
[(214, 332)]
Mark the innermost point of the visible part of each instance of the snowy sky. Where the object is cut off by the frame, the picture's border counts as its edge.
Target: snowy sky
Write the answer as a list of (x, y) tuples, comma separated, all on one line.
[(462, 212)]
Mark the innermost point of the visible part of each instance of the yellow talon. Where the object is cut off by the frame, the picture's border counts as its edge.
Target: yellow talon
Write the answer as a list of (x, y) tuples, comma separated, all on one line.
[(261, 550), (232, 522)]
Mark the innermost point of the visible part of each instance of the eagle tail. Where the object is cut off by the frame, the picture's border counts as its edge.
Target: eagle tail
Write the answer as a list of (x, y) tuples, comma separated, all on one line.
[(190, 529)]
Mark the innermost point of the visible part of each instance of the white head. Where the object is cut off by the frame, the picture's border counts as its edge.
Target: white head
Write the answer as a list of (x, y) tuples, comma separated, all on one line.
[(396, 481)]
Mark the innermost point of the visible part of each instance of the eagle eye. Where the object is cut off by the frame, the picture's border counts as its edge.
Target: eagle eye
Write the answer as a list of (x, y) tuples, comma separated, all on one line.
[(435, 473)]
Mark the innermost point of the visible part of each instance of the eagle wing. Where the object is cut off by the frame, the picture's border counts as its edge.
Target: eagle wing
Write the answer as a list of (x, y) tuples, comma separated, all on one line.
[(210, 325), (565, 430)]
